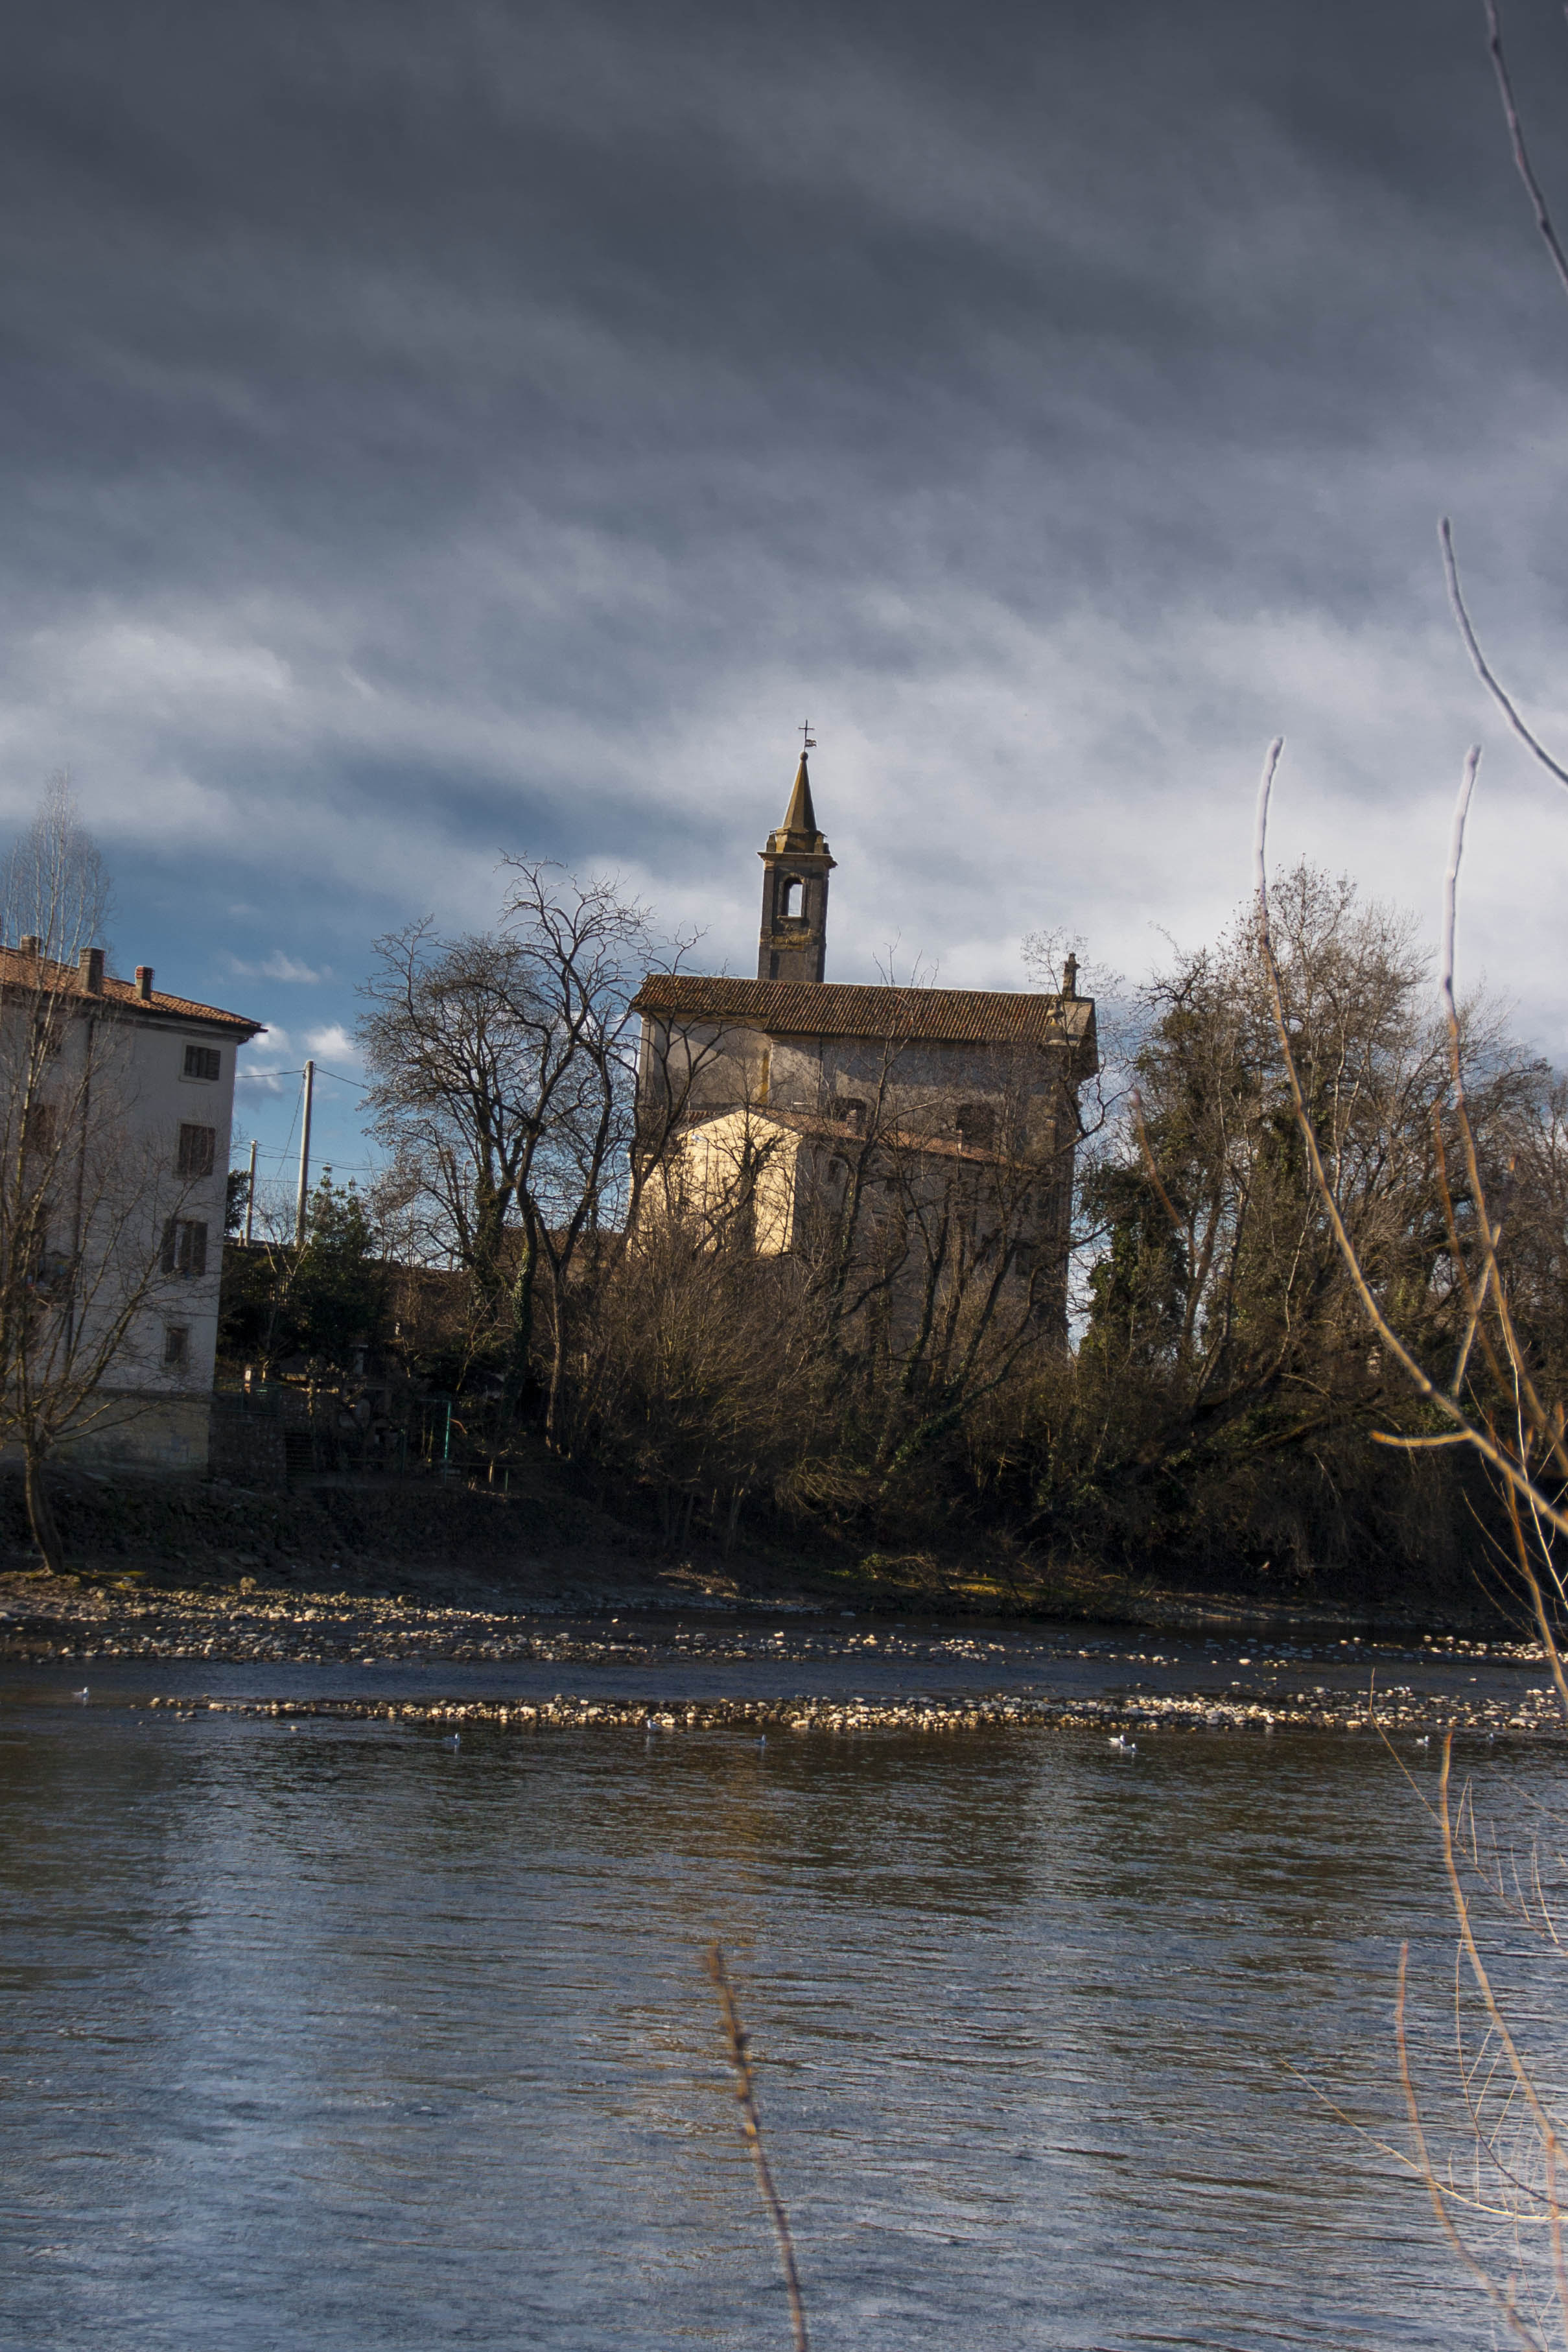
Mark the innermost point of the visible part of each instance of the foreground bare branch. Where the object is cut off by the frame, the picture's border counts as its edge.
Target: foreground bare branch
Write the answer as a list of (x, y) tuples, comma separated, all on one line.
[(739, 2052)]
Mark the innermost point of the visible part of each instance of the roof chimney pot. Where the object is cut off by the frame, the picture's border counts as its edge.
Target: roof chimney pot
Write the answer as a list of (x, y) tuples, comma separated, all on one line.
[(144, 983), (89, 964), (29, 943)]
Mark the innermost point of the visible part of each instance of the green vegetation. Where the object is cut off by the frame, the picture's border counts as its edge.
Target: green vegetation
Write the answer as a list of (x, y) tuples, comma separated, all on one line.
[(323, 1302)]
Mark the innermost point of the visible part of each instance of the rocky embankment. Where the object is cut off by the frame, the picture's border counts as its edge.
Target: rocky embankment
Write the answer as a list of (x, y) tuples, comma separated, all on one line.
[(1536, 1712)]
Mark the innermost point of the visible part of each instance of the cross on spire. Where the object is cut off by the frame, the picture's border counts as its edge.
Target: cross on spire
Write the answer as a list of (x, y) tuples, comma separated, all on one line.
[(808, 741)]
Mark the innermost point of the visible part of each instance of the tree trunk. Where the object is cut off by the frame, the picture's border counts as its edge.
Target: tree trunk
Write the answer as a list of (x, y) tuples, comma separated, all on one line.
[(556, 1365), (519, 1340), (41, 1514)]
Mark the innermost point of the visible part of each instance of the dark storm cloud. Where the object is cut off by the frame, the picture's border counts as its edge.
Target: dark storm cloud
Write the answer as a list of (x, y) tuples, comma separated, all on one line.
[(431, 429)]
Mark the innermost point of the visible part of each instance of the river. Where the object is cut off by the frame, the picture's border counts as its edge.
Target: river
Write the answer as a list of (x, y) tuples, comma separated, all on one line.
[(328, 2034)]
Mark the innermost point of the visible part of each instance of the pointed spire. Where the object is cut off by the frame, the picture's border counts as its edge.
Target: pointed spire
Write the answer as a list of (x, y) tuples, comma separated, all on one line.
[(798, 830), (801, 816)]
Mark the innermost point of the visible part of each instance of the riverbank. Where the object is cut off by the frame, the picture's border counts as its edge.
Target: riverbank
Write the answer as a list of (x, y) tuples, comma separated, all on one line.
[(347, 1566), (468, 1614)]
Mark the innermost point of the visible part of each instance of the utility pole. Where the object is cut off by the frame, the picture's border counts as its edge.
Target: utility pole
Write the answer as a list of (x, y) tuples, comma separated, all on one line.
[(300, 1205), (250, 1194)]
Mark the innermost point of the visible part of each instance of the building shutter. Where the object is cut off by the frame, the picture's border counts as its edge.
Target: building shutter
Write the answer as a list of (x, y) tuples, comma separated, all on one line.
[(198, 1149), (184, 1246)]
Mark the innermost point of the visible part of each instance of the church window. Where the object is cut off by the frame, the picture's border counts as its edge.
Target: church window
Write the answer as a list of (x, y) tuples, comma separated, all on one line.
[(794, 899), (977, 1126)]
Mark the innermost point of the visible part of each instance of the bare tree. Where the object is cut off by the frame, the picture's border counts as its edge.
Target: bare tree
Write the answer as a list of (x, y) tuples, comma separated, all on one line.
[(699, 1375), (1486, 1396), (940, 1246), (91, 1231), (504, 1068)]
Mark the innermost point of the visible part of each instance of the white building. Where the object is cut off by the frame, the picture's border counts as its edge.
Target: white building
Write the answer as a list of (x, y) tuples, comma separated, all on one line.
[(119, 1096)]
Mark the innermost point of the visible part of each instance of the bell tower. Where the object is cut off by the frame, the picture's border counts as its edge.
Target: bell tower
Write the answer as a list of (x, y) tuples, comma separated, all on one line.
[(795, 871)]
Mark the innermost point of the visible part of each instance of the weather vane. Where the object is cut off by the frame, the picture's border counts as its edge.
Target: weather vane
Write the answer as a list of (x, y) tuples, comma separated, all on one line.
[(808, 741)]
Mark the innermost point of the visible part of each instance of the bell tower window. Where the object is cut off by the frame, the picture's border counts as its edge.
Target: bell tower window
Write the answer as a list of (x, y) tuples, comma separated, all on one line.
[(794, 899)]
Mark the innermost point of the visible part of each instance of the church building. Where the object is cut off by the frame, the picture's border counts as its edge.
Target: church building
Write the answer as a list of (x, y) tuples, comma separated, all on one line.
[(943, 1122)]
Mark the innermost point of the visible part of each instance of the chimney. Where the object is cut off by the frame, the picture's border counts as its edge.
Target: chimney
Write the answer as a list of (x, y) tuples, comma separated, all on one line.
[(29, 943), (90, 965), (144, 983)]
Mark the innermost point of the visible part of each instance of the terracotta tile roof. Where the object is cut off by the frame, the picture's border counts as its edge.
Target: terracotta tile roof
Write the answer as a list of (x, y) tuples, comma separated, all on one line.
[(24, 970), (970, 1016)]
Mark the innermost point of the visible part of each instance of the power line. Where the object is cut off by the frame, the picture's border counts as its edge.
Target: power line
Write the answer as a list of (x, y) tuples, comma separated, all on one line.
[(321, 1071)]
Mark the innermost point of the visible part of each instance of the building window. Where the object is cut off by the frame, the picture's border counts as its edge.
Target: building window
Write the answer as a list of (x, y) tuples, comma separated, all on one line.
[(47, 1269), (794, 899), (852, 1112), (977, 1126), (198, 1150), (202, 1062), (176, 1347), (184, 1246), (38, 1128)]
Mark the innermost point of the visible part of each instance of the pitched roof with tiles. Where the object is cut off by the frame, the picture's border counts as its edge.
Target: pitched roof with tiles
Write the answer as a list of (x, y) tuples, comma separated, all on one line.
[(18, 969), (965, 1017)]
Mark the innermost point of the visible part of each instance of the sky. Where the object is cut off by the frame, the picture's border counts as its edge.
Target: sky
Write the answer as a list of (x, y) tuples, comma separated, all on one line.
[(439, 431)]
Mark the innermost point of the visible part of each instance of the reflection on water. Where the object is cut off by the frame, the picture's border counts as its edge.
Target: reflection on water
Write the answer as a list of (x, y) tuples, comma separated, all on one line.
[(334, 2038)]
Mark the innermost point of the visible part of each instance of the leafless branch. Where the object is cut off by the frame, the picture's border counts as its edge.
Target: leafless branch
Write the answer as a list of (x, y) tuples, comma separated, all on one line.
[(1522, 164), (1482, 668), (739, 2053)]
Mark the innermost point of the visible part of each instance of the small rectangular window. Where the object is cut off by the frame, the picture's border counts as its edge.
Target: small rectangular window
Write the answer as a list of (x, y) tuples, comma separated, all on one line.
[(198, 1149), (38, 1128), (202, 1062), (184, 1246), (176, 1347)]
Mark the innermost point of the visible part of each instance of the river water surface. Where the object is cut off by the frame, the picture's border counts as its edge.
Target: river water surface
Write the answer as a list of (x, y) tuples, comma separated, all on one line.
[(326, 2034)]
